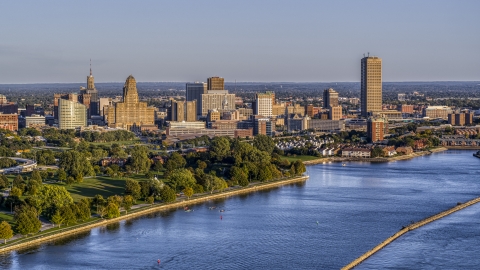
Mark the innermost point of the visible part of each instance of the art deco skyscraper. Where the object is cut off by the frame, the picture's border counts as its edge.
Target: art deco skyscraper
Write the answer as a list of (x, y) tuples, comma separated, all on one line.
[(130, 113), (371, 85), (89, 95)]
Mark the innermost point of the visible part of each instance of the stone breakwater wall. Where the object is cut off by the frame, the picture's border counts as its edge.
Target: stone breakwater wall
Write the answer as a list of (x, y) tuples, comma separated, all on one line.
[(36, 240), (408, 228)]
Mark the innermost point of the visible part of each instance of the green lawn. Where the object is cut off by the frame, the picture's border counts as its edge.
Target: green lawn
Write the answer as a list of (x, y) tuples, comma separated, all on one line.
[(103, 185), (7, 217), (299, 157)]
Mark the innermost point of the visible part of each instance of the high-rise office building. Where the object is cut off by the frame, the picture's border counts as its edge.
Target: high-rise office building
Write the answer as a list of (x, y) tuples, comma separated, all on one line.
[(58, 97), (330, 98), (220, 100), (9, 121), (71, 114), (191, 111), (194, 91), (371, 85), (130, 113), (215, 83), (264, 103)]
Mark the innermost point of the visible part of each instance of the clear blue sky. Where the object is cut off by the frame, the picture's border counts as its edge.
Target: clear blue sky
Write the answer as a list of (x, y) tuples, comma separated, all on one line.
[(267, 40)]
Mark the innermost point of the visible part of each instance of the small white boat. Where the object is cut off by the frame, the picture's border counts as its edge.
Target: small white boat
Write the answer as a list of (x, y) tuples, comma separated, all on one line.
[(343, 164)]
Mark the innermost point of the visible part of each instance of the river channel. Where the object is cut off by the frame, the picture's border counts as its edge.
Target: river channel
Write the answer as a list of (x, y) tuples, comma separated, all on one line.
[(323, 223)]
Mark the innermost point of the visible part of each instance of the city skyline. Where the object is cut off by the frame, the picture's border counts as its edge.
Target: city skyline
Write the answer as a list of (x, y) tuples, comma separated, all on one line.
[(268, 41)]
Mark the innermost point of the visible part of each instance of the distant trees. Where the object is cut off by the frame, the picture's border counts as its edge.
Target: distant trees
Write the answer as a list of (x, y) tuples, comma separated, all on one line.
[(75, 163), (7, 162)]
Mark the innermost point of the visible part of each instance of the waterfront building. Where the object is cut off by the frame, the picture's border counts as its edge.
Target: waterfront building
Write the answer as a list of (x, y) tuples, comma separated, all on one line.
[(371, 85), (194, 91), (216, 83), (356, 152), (264, 103), (131, 113), (71, 114), (330, 98), (9, 121), (376, 128)]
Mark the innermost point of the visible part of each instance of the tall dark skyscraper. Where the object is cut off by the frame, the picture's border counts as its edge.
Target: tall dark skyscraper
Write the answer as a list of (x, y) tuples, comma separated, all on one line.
[(194, 91), (371, 85)]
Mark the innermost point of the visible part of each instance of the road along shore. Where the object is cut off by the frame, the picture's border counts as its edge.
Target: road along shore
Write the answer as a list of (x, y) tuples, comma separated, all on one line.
[(48, 236)]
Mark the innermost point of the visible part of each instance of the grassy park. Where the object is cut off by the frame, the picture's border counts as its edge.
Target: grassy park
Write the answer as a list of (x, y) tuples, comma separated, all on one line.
[(299, 157)]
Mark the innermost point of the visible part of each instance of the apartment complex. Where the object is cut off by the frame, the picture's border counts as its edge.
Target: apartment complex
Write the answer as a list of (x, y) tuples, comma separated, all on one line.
[(376, 129)]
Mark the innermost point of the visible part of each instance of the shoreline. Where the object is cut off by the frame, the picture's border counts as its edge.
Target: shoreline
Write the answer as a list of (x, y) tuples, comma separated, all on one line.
[(380, 159), (49, 236)]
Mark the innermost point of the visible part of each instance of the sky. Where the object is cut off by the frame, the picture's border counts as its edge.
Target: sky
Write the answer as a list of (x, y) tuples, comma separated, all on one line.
[(247, 41)]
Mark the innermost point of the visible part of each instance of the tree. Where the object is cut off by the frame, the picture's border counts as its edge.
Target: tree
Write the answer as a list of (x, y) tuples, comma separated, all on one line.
[(36, 176), (139, 159), (238, 176), (6, 231), (26, 221), (57, 218), (299, 167), (3, 182), (213, 183), (127, 203), (175, 161), (98, 200), (150, 200), (188, 191), (132, 187), (70, 181), (115, 199), (62, 175), (68, 214), (16, 192), (167, 194), (83, 211), (157, 166), (180, 179), (74, 163), (18, 182), (149, 175), (112, 210), (264, 143), (377, 152), (220, 148), (53, 197), (79, 178)]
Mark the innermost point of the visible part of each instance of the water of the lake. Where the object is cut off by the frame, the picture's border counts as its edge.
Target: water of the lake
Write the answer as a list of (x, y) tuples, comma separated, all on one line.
[(324, 223)]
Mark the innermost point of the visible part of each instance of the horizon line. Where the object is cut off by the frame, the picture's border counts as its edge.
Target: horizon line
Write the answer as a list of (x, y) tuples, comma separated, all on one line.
[(233, 82)]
